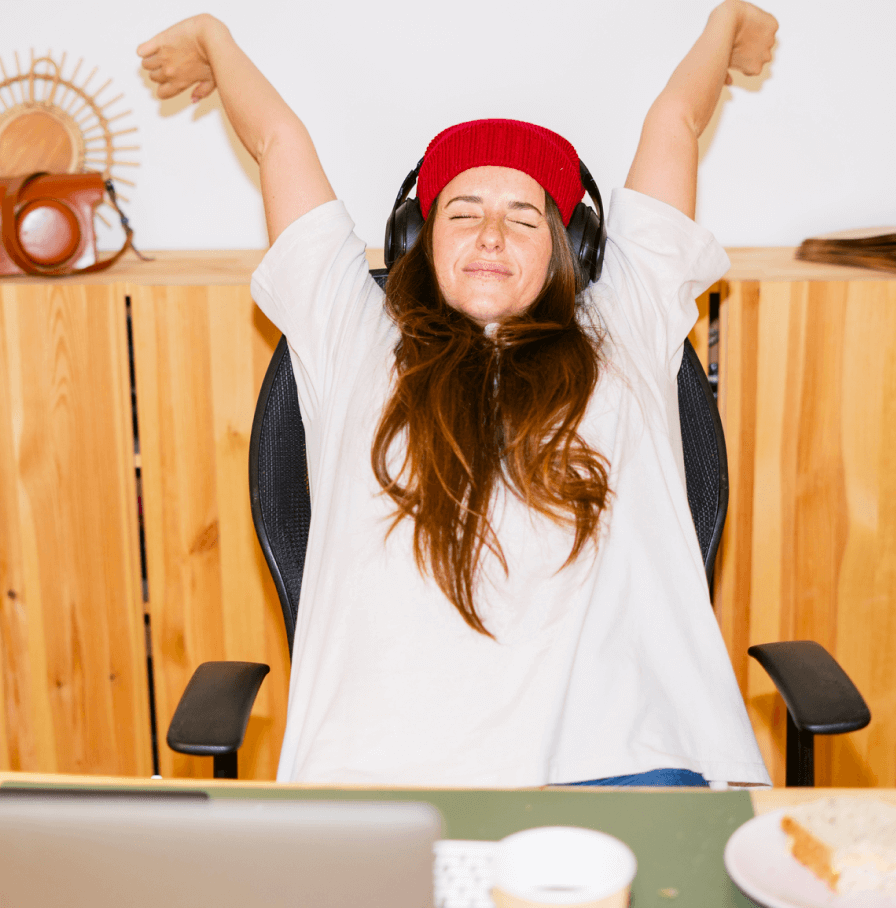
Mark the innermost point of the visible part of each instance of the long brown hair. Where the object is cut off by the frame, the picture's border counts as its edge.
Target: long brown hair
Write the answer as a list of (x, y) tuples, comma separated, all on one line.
[(473, 411)]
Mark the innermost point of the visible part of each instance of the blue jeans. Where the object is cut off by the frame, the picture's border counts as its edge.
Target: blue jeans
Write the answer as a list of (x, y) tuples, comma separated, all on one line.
[(656, 778)]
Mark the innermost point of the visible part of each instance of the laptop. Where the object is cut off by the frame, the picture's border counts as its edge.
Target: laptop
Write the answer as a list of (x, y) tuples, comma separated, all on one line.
[(192, 851)]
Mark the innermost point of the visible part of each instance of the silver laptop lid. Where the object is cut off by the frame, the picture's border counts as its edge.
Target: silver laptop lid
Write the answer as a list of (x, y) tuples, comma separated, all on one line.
[(147, 853)]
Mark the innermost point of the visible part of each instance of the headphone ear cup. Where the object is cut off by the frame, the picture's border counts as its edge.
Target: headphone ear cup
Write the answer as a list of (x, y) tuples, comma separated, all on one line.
[(402, 229), (587, 239)]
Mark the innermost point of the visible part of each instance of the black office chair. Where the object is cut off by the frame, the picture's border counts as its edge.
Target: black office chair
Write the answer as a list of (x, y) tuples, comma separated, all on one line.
[(212, 715)]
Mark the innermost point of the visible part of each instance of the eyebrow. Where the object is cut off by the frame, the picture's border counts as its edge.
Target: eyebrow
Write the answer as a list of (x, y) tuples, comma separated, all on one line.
[(513, 206)]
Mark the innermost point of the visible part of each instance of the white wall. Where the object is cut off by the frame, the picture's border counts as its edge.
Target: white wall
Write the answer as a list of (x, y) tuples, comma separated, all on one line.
[(807, 148)]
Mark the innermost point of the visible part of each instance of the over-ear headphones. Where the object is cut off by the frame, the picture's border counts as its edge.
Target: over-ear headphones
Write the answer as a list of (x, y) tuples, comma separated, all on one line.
[(587, 229)]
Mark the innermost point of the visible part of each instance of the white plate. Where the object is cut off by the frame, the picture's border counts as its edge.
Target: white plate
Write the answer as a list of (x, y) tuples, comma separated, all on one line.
[(760, 863)]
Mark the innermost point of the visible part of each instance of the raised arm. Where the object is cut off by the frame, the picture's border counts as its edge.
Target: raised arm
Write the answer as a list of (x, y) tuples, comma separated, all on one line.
[(200, 52), (737, 36)]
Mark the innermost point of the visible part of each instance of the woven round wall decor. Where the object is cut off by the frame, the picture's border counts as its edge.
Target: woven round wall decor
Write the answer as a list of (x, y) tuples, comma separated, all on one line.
[(55, 123)]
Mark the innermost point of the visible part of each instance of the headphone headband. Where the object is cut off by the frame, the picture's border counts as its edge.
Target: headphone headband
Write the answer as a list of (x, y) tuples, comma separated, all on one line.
[(407, 185)]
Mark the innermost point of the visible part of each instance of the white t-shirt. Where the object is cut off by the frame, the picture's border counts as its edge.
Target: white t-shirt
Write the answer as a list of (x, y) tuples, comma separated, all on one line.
[(614, 665)]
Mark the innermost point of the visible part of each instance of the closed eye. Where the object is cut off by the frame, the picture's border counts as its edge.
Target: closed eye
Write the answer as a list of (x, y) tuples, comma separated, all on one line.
[(468, 217)]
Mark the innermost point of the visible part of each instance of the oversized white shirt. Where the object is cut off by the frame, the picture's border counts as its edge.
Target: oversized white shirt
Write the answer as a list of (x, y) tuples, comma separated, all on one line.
[(614, 665)]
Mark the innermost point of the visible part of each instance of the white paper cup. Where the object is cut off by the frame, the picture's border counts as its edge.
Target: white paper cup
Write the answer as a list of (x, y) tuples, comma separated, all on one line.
[(562, 865)]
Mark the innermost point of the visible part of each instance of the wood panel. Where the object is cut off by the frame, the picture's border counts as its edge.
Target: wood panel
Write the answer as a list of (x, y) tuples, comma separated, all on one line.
[(73, 692), (779, 263), (699, 336), (182, 268), (809, 551), (200, 356)]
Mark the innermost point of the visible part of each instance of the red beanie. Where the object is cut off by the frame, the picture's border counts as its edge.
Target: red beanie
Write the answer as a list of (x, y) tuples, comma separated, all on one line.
[(546, 157)]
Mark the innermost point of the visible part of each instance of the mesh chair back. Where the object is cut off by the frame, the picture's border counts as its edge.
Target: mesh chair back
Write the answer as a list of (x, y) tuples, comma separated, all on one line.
[(705, 455), (278, 483), (281, 501)]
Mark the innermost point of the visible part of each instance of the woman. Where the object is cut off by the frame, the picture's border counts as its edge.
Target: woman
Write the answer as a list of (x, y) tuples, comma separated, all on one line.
[(503, 585)]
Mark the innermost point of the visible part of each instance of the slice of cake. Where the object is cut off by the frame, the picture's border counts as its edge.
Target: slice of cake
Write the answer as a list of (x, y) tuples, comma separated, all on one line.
[(850, 843)]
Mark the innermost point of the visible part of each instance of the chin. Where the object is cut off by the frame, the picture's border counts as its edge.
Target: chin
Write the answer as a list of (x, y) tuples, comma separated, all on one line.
[(485, 314)]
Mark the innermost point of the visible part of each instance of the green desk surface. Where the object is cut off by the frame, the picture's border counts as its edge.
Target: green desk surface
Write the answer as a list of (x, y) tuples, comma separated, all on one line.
[(678, 837)]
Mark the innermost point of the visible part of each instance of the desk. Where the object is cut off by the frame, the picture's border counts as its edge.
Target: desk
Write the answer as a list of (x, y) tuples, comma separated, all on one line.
[(678, 835)]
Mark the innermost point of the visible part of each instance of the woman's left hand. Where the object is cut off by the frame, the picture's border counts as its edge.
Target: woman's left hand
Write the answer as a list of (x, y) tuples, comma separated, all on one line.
[(178, 58), (754, 39)]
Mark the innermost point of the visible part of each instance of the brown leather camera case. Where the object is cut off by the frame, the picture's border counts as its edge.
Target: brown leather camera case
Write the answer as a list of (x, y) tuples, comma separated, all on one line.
[(46, 222)]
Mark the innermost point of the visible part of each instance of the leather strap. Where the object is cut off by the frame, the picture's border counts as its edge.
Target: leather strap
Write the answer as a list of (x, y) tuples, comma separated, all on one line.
[(11, 192)]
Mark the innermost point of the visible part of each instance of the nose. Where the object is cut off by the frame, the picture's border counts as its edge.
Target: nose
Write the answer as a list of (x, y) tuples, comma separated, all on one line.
[(491, 234)]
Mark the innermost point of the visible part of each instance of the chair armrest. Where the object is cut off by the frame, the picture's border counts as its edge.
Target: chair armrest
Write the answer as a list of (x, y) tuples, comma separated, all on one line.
[(819, 695), (213, 712)]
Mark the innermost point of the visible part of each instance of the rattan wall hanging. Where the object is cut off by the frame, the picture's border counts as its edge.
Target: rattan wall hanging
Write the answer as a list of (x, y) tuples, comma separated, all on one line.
[(52, 122)]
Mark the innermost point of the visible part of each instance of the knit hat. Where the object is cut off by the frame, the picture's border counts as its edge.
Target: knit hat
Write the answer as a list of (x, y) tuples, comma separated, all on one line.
[(546, 157)]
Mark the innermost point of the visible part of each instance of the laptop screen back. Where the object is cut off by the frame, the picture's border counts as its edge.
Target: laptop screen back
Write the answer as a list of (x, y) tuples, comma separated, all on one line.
[(148, 853)]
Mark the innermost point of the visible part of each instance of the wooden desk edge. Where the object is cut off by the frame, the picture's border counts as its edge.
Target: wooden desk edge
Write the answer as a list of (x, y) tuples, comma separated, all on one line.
[(764, 800)]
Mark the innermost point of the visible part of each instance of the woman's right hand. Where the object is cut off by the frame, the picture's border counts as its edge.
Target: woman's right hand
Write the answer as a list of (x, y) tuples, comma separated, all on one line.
[(200, 52), (177, 58)]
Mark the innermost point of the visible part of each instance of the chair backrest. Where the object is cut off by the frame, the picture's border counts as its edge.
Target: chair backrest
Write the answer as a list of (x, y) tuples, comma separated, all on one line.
[(278, 483), (705, 455), (281, 500)]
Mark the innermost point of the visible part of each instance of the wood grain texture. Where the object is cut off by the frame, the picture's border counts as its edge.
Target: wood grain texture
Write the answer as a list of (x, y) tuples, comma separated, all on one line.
[(74, 692), (779, 263), (201, 354), (809, 551), (179, 268), (219, 267), (699, 336)]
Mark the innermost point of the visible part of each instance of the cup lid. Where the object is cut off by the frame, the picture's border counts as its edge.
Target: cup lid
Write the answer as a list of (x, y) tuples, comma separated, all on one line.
[(562, 865)]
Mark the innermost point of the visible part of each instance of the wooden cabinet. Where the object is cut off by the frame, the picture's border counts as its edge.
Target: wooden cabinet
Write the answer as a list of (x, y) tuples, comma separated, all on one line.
[(73, 686), (200, 355), (82, 472), (808, 397)]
